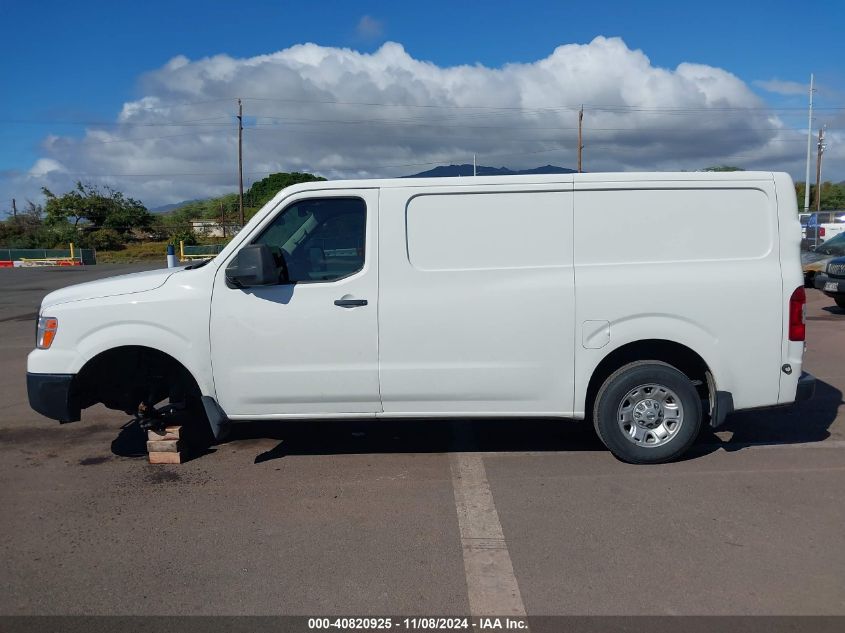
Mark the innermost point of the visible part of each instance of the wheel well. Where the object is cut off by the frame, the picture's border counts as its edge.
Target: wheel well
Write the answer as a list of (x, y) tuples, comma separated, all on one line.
[(679, 356), (122, 377)]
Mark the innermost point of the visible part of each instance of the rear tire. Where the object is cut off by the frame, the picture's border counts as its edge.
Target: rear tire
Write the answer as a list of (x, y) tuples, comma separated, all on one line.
[(647, 412), (840, 301)]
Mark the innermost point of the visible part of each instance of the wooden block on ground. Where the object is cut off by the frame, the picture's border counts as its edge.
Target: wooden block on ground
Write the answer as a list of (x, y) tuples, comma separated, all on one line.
[(165, 458), (168, 433), (163, 446)]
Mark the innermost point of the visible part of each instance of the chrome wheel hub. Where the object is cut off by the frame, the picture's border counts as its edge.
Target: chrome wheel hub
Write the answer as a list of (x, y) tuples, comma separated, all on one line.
[(650, 415)]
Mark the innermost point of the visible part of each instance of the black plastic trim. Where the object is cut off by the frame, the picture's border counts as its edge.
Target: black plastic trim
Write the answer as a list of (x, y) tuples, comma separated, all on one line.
[(723, 404), (806, 387), (51, 395), (216, 418), (350, 303)]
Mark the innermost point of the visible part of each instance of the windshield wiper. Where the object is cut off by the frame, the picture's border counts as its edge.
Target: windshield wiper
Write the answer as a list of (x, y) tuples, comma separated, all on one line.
[(199, 264)]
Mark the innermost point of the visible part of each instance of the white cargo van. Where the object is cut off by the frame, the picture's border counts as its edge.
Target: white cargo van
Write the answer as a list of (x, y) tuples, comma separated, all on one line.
[(449, 298)]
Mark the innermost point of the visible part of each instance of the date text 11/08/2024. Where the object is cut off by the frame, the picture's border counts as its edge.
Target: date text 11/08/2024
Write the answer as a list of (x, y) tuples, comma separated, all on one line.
[(419, 623)]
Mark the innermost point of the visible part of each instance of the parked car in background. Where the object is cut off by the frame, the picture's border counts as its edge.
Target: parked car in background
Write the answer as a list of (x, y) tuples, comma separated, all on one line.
[(829, 230), (820, 226), (832, 280), (815, 260)]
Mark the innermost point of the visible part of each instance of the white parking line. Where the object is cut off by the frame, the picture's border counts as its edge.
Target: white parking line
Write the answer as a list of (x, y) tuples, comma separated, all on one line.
[(801, 445), (491, 584), (696, 449)]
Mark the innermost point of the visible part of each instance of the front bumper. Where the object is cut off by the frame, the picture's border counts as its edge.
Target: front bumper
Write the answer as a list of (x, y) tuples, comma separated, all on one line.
[(822, 279), (51, 395), (806, 387)]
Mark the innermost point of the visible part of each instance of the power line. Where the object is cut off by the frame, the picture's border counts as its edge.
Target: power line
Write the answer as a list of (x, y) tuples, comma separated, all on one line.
[(540, 108), (667, 110), (282, 121), (142, 138), (189, 123), (185, 104), (72, 142)]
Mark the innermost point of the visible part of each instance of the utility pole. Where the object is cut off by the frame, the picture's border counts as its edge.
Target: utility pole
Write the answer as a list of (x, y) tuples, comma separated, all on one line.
[(809, 151), (14, 209), (819, 170), (222, 219), (473, 164), (580, 136), (241, 161)]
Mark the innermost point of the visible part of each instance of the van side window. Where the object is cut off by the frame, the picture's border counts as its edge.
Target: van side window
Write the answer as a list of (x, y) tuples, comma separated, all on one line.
[(320, 239)]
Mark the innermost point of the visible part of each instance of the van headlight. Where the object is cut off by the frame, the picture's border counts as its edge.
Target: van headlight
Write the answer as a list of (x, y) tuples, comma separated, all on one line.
[(45, 332)]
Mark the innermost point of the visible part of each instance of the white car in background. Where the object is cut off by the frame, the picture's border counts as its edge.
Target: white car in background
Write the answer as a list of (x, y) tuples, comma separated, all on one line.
[(828, 230)]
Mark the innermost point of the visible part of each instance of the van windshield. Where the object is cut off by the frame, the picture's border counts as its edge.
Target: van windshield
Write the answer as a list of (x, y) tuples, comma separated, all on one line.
[(834, 246)]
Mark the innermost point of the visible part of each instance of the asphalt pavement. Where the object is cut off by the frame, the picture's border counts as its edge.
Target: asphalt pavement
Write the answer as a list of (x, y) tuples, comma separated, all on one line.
[(417, 517)]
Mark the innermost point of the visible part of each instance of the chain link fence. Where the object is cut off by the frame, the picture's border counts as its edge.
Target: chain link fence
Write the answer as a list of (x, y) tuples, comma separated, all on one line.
[(87, 256)]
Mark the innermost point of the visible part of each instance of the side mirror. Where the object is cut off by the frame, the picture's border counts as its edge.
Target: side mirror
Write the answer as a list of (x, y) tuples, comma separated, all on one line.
[(255, 265)]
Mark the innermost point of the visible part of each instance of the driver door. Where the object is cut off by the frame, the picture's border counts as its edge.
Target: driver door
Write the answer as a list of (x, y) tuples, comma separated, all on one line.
[(308, 345)]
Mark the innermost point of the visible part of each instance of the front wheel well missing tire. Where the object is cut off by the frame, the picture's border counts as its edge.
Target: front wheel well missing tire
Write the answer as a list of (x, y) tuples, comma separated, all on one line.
[(123, 377), (678, 356)]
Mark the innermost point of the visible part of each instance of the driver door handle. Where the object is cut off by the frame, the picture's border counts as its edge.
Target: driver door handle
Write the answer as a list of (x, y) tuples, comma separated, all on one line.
[(350, 303)]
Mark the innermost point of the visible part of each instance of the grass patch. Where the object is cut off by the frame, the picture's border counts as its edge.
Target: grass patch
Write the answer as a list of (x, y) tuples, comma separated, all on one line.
[(145, 252), (137, 252)]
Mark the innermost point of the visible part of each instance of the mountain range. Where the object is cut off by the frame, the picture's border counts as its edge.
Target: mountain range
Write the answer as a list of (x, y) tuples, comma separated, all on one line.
[(482, 170), (437, 172)]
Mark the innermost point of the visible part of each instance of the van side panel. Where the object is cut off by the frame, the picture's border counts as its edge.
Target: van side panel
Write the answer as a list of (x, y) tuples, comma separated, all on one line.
[(476, 297), (696, 263)]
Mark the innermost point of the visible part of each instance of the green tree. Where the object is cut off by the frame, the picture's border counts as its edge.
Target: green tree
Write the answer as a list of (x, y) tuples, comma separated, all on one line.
[(125, 214), (96, 209), (62, 209), (106, 240), (262, 191), (833, 196), (723, 168), (254, 198)]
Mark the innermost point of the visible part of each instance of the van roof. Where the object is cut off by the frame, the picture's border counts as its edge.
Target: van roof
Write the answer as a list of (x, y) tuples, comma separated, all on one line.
[(463, 181)]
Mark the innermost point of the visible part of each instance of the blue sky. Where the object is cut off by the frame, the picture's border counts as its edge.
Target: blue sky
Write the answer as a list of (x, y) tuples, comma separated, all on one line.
[(68, 65)]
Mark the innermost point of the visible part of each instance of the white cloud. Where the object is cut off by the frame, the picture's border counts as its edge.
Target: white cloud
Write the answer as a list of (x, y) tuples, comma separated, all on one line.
[(369, 28), (312, 108), (45, 166), (786, 88)]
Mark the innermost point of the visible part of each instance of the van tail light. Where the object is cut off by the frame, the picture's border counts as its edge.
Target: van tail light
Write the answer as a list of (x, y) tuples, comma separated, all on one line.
[(797, 315), (821, 231)]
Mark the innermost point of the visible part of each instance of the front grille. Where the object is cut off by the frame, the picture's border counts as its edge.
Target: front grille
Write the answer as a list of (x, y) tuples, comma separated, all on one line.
[(836, 270)]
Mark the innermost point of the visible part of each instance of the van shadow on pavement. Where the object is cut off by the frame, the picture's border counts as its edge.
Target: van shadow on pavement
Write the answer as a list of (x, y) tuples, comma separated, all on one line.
[(832, 309), (805, 422), (802, 423)]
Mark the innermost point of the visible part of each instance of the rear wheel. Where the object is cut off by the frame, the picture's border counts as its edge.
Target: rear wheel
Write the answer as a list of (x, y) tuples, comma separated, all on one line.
[(840, 301), (647, 412)]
